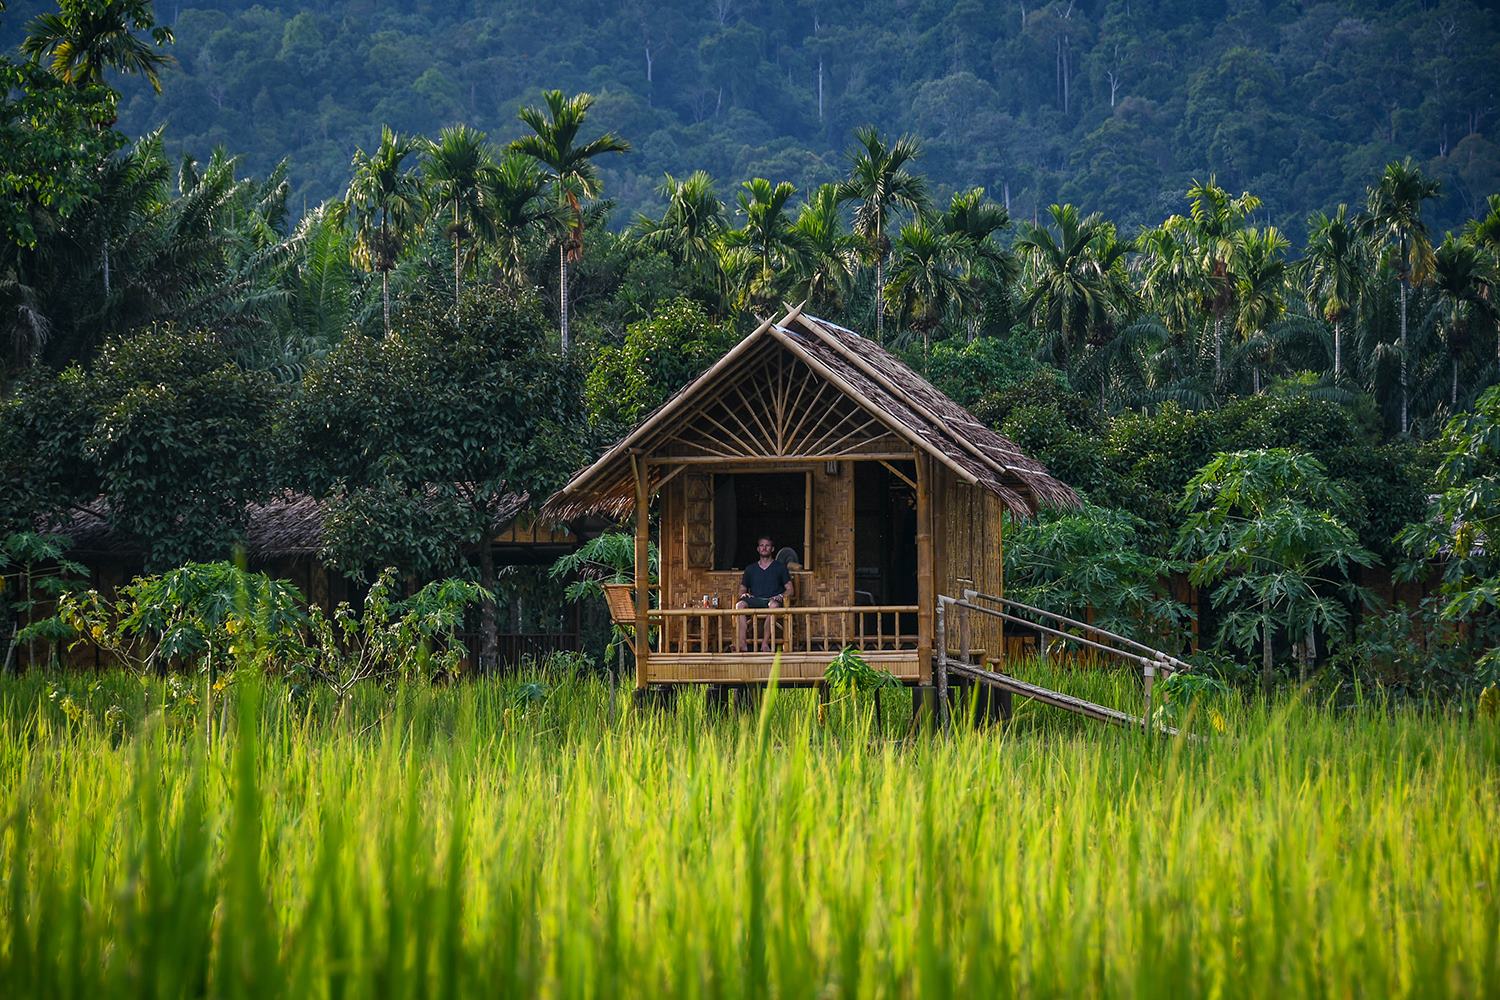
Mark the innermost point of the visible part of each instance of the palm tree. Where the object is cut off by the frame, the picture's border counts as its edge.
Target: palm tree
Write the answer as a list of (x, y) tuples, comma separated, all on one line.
[(1260, 293), (927, 279), (515, 196), (571, 168), (1394, 219), (1485, 234), (831, 251), (973, 220), (458, 167), (1464, 286), (768, 250), (384, 198), (690, 228), (882, 185), (1172, 285), (1334, 270), (84, 38), (1215, 222), (1075, 285)]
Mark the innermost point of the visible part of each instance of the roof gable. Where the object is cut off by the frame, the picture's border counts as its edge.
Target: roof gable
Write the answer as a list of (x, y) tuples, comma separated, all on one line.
[(879, 399)]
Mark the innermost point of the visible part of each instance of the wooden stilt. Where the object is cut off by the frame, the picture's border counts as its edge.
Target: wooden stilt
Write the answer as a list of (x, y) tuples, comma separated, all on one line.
[(642, 569), (944, 710), (926, 585)]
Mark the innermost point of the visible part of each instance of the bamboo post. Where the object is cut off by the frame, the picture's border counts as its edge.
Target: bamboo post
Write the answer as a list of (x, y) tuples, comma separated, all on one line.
[(642, 569), (1148, 670), (926, 599), (942, 663), (965, 637)]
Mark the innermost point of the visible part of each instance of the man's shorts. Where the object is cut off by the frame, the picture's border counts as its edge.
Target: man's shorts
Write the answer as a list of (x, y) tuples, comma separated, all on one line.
[(752, 601)]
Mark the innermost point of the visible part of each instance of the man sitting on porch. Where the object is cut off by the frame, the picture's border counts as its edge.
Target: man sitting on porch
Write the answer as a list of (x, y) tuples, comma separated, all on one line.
[(765, 584)]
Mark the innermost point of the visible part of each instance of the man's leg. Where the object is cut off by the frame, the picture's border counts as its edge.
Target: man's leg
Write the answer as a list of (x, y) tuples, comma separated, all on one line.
[(739, 629), (770, 635)]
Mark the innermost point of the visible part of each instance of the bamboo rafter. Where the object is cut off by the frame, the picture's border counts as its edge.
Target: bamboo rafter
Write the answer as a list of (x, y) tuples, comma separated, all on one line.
[(781, 409)]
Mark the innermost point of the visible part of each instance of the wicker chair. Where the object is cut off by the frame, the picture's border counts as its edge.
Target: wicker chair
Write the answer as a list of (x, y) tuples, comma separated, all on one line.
[(621, 600)]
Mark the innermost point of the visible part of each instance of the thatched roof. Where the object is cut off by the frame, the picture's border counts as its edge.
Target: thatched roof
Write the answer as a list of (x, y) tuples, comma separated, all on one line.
[(906, 404), (286, 526)]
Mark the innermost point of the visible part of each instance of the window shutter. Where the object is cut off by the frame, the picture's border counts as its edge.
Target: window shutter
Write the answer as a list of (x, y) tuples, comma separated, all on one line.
[(698, 524)]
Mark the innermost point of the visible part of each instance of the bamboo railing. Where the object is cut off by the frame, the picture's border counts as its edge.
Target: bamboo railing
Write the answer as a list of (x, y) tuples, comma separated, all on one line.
[(713, 631)]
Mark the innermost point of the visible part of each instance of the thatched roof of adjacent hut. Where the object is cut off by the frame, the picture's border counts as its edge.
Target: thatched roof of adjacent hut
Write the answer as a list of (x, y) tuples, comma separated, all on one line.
[(285, 526), (905, 403)]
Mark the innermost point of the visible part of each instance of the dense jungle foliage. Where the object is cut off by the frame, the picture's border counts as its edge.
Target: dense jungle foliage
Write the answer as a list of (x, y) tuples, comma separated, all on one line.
[(1272, 368)]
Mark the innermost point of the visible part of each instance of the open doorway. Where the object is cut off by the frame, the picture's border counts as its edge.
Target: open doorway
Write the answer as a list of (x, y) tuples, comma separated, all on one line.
[(885, 535)]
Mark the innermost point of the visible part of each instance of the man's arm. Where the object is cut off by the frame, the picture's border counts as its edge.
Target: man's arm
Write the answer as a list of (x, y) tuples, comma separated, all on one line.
[(745, 582)]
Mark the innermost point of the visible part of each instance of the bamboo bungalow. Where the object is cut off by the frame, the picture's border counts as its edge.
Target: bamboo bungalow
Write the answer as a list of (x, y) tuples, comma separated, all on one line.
[(886, 493)]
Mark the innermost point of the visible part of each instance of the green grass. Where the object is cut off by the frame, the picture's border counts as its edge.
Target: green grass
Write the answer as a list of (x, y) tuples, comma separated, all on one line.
[(496, 838)]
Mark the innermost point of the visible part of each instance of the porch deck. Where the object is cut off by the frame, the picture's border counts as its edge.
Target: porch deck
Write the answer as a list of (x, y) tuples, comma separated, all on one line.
[(755, 668), (699, 645)]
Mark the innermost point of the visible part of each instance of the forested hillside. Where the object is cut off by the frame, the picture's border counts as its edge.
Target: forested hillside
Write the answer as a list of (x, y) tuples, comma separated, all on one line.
[(1259, 330), (1114, 105)]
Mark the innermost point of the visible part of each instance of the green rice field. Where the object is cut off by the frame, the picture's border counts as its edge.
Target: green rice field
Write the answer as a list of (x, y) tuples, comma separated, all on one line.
[(537, 836)]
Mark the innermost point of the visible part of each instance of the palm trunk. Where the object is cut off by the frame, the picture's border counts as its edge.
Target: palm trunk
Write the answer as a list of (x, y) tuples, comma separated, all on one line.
[(457, 257), (1255, 380), (1218, 350), (1338, 349), (562, 293), (1404, 421), (385, 295), (489, 629), (880, 298), (1453, 390)]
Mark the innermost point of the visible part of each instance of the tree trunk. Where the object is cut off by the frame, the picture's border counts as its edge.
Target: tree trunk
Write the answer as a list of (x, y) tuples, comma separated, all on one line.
[(385, 295), (1267, 675), (489, 630), (1218, 350), (457, 256), (1338, 348), (562, 293), (1453, 389), (1404, 421), (879, 294), (1309, 651)]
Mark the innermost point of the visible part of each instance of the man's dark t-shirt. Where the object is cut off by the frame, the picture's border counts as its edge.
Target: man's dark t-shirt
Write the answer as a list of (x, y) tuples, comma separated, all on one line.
[(766, 583)]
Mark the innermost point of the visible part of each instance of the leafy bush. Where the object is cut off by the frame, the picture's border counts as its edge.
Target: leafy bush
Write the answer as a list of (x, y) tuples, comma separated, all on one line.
[(1414, 651), (217, 617), (200, 616), (1184, 694), (32, 570), (659, 356), (1092, 559), (389, 639), (849, 674), (1463, 528)]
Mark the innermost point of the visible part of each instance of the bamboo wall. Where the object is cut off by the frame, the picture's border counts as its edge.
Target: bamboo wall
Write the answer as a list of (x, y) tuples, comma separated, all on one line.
[(968, 554)]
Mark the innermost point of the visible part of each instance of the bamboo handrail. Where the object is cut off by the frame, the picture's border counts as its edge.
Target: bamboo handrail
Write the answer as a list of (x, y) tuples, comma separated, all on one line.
[(804, 610), (1174, 664), (1150, 664), (672, 632)]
